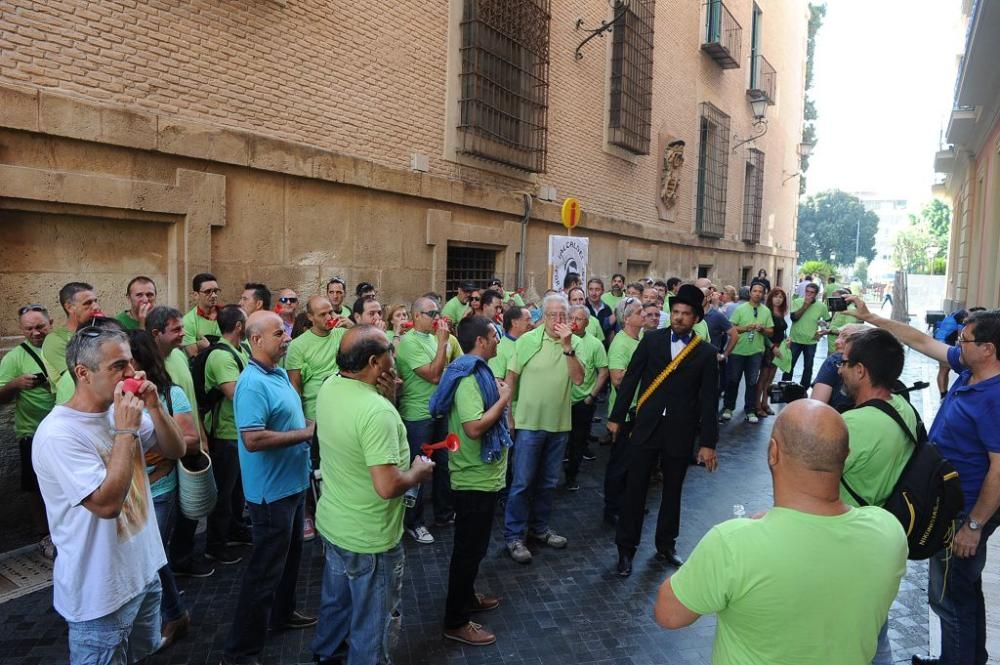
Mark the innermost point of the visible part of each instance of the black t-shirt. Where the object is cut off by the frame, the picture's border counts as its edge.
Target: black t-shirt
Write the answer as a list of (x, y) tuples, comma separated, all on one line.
[(780, 326)]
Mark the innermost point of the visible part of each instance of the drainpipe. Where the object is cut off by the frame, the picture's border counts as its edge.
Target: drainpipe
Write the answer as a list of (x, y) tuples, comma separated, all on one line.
[(528, 201)]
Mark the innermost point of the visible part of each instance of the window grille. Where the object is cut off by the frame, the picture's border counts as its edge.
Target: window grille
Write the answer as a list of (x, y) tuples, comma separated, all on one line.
[(704, 271), (632, 77), (505, 82), (753, 196), (745, 276), (469, 264), (713, 171)]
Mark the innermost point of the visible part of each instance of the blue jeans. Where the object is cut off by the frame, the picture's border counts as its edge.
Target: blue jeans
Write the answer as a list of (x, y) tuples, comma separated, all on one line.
[(127, 635), (955, 592), (537, 460), (166, 506), (883, 650), (267, 597), (747, 367), (419, 432), (359, 605), (808, 352)]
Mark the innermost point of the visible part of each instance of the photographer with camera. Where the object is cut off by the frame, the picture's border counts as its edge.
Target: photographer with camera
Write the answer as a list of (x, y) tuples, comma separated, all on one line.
[(807, 312), (828, 382)]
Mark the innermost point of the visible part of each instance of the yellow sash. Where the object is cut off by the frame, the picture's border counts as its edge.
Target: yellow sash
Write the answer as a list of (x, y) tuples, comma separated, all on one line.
[(667, 371)]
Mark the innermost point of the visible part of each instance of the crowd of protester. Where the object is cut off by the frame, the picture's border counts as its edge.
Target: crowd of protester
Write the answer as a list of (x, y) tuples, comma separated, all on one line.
[(316, 417)]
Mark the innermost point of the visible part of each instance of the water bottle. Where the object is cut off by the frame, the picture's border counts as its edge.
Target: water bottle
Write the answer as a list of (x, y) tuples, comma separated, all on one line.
[(410, 496), (739, 511)]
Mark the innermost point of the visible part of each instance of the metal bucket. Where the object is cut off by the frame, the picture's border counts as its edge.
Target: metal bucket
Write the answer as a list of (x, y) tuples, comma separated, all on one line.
[(196, 481)]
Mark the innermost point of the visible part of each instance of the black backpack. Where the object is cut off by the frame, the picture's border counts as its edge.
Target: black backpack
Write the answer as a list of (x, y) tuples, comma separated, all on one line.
[(209, 400), (927, 497)]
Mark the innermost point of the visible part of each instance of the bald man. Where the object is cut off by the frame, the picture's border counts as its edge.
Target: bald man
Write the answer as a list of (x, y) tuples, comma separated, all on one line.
[(809, 582), (274, 438)]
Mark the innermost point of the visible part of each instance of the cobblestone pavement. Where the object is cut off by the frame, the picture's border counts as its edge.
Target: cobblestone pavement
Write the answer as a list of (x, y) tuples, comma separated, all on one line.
[(565, 607)]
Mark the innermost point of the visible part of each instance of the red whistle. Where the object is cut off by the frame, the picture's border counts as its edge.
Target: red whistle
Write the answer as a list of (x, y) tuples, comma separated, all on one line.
[(574, 327), (131, 386), (407, 325), (331, 323), (451, 443)]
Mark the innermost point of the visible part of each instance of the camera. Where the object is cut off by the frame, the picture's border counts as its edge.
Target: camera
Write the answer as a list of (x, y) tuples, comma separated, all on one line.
[(786, 391), (836, 304)]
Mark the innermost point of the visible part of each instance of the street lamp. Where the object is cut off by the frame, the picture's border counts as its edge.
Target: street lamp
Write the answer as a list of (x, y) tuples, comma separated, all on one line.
[(758, 107)]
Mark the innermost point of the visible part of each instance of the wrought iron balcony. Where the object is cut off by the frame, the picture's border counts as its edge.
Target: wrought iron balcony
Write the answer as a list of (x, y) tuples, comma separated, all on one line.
[(763, 79), (723, 35)]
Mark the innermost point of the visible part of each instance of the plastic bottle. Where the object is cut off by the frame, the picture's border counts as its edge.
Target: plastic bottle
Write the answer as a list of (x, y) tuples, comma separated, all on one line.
[(739, 511)]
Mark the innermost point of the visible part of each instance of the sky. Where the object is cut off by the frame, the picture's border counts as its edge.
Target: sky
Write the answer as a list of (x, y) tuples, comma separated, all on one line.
[(884, 77)]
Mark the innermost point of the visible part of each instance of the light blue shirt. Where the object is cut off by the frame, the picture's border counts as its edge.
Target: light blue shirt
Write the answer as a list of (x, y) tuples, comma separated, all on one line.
[(266, 400), (180, 404)]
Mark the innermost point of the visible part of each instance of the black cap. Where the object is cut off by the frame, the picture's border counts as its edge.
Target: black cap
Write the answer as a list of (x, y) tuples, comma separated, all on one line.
[(468, 286), (689, 294)]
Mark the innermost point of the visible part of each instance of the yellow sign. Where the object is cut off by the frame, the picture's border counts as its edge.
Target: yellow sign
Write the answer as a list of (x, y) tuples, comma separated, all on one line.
[(571, 213)]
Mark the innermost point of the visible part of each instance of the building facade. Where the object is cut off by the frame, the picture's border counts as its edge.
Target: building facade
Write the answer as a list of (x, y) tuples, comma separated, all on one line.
[(970, 165)]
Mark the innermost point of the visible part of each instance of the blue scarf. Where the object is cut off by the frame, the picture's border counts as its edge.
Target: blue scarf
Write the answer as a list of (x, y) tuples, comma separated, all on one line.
[(497, 438)]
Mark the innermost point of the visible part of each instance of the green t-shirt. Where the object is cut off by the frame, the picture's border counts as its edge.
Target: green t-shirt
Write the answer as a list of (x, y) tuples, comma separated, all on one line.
[(468, 472), (500, 363), (611, 300), (128, 323), (591, 354), (804, 330), (65, 388), (54, 351), (454, 309), (594, 329), (619, 354), (34, 404), (358, 429), (513, 298), (416, 349), (315, 358), (879, 451), (840, 319), (794, 587), (221, 368), (196, 327), (179, 369), (701, 330), (543, 386), (751, 342)]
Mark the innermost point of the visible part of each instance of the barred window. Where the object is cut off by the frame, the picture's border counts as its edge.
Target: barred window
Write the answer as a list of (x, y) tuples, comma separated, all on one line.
[(753, 196), (505, 82), (468, 264), (632, 77), (713, 172)]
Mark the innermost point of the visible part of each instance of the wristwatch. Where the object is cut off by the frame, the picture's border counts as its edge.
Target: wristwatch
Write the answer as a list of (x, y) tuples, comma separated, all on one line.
[(974, 525), (571, 352)]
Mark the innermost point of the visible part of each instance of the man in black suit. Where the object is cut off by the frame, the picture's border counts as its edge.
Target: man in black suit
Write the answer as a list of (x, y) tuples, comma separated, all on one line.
[(667, 421)]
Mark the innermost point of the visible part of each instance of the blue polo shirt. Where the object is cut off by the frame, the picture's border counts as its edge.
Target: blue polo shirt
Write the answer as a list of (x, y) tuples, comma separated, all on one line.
[(967, 427), (266, 400)]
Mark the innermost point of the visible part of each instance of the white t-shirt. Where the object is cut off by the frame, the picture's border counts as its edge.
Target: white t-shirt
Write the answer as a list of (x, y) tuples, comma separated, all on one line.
[(102, 563)]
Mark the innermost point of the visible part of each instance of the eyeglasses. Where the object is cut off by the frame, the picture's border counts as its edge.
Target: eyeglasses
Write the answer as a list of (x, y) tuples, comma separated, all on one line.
[(210, 292), (962, 340), (433, 314), (31, 308), (288, 300)]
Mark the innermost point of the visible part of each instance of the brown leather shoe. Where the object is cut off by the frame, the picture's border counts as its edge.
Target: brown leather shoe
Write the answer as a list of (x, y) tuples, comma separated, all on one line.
[(484, 603), (472, 633), (174, 630)]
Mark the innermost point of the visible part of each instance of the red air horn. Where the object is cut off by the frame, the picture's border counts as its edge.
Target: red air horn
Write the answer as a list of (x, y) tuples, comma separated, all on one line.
[(451, 443), (131, 385)]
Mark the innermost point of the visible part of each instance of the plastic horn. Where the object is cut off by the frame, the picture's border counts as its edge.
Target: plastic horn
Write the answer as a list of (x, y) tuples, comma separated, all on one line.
[(131, 386), (451, 443)]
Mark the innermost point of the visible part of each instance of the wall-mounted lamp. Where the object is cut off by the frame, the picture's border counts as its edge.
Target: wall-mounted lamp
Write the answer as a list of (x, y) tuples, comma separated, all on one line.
[(758, 106), (805, 149), (619, 9)]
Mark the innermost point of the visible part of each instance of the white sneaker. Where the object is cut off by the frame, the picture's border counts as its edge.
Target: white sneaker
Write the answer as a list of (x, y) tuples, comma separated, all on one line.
[(727, 415), (752, 418), (421, 535)]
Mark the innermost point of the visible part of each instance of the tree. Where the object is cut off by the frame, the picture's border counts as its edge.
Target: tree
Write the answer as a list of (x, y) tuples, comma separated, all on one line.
[(923, 247), (816, 15), (937, 216), (832, 225), (861, 270)]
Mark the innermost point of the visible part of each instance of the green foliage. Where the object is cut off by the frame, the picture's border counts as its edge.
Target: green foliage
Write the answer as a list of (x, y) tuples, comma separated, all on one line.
[(821, 268), (832, 225), (816, 15), (939, 265), (937, 215), (923, 247), (861, 269)]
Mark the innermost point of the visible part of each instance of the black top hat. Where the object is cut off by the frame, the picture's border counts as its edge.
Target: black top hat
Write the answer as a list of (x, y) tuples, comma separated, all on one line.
[(689, 294)]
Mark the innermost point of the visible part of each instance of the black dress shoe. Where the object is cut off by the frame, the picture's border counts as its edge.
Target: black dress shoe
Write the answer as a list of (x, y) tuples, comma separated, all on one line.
[(624, 567), (610, 519), (924, 660), (670, 557)]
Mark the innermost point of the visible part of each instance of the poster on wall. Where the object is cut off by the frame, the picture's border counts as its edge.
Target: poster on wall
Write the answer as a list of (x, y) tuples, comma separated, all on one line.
[(567, 254)]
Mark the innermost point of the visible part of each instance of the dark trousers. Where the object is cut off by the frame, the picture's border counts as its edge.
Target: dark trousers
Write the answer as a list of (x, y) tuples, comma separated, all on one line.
[(668, 521), (419, 432), (267, 596), (616, 470), (227, 515), (473, 525), (583, 416), (182, 542), (808, 352), (747, 368)]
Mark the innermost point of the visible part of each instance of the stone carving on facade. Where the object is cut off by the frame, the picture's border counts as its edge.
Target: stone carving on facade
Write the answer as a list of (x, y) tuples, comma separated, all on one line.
[(670, 173)]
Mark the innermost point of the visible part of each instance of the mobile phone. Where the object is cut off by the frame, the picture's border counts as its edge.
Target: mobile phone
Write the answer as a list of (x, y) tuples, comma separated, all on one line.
[(41, 377), (836, 304)]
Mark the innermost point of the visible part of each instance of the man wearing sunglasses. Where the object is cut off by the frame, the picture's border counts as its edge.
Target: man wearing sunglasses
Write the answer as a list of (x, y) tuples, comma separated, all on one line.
[(79, 302), (201, 326), (23, 378), (287, 308)]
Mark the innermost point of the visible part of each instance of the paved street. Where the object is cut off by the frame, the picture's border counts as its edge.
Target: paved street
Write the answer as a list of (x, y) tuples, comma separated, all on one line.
[(563, 608)]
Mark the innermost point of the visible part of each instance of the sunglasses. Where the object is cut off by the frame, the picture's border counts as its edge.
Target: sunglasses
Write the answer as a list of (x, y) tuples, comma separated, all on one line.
[(432, 313), (476, 298), (210, 292), (288, 300), (93, 331), (31, 308)]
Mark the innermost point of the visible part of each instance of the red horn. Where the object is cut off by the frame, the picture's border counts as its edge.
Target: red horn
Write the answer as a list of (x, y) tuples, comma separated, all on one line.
[(131, 385), (451, 443)]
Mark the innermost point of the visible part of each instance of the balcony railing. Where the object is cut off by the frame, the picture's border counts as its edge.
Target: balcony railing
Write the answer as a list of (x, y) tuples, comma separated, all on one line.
[(763, 79), (723, 35)]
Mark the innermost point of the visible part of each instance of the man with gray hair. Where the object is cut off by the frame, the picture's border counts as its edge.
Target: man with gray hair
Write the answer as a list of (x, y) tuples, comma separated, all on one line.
[(88, 454), (544, 369)]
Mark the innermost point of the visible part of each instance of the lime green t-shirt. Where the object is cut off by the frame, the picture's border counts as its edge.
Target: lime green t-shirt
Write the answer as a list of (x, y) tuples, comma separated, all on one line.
[(128, 322), (840, 319), (619, 354), (594, 329), (751, 342), (611, 300), (221, 368), (454, 309), (513, 298), (31, 405), (468, 471), (543, 386), (54, 351), (500, 363), (179, 369), (794, 587), (315, 358), (65, 388), (358, 429), (416, 349), (196, 327), (804, 330), (879, 451), (701, 330), (591, 354)]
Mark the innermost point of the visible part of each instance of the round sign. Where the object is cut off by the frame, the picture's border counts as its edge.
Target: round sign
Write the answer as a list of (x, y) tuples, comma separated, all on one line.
[(571, 213)]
